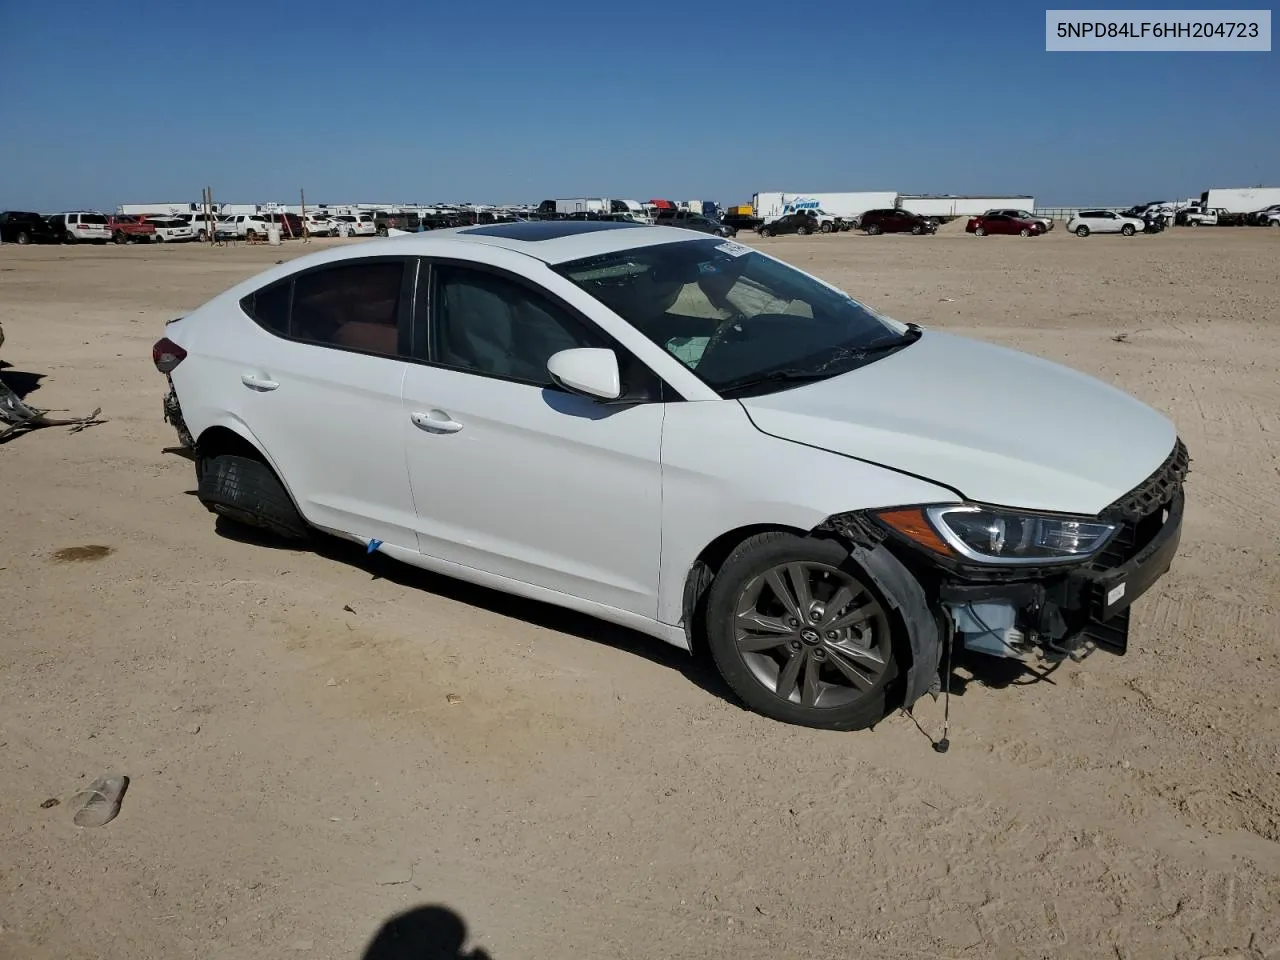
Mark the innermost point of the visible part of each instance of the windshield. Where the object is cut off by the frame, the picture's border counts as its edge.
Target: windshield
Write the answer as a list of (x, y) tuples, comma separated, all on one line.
[(733, 315)]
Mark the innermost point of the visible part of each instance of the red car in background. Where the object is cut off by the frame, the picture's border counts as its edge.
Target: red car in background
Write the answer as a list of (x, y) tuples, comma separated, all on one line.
[(126, 228), (1003, 223)]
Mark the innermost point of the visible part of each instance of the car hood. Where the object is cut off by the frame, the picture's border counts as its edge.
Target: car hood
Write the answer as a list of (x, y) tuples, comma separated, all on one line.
[(996, 425)]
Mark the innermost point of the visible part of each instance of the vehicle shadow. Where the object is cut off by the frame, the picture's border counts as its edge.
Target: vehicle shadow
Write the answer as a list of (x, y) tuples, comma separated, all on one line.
[(995, 672), (19, 381), (697, 668), (431, 932)]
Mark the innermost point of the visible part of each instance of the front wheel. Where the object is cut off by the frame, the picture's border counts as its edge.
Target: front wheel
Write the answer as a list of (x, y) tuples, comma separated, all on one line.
[(119, 237), (767, 232), (1082, 231), (23, 238), (917, 230), (979, 231), (803, 231), (825, 228), (1128, 230), (797, 632), (158, 238), (873, 230)]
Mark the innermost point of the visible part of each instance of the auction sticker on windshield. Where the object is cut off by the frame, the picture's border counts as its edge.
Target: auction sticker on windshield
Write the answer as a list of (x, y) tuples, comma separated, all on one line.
[(733, 249)]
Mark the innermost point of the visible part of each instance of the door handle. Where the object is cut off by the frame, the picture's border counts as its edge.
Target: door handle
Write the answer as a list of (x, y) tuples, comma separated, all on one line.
[(437, 421), (257, 383)]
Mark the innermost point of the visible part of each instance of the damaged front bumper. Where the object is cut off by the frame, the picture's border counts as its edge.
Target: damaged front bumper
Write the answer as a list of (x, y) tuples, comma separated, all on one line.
[(1063, 614)]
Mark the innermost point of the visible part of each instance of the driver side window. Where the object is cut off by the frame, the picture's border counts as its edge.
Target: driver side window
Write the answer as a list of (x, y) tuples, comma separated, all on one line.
[(488, 324)]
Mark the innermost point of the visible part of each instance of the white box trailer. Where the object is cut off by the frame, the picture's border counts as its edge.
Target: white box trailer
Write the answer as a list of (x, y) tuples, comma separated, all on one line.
[(770, 206), (1240, 199), (583, 205), (933, 205), (162, 208)]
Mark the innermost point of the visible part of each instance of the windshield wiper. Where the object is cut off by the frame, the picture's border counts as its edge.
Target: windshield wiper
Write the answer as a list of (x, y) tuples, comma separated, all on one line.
[(823, 371)]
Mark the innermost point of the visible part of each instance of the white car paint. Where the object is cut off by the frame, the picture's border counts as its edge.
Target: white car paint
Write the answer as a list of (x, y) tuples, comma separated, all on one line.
[(549, 495), (355, 224), (171, 230), (1104, 221), (321, 225)]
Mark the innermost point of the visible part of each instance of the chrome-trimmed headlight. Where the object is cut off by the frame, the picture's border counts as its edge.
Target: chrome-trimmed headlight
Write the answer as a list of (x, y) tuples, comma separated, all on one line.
[(999, 536)]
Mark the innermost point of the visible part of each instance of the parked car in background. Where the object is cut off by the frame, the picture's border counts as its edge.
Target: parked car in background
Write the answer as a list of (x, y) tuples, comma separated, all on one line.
[(23, 227), (896, 221), (320, 225), (1046, 222), (907, 488), (694, 221), (171, 229), (290, 224), (127, 228), (802, 223), (81, 227), (1204, 218), (742, 217), (356, 224), (1086, 222), (1268, 216), (1003, 223), (250, 226), (201, 226)]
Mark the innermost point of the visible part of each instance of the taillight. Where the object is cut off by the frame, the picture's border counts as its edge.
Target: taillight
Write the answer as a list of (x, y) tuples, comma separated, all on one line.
[(166, 355)]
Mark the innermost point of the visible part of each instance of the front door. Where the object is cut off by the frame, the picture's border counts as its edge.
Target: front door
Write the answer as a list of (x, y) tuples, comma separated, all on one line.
[(516, 477)]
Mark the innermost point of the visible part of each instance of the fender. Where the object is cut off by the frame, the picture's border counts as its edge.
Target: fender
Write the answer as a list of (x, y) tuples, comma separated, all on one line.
[(907, 598)]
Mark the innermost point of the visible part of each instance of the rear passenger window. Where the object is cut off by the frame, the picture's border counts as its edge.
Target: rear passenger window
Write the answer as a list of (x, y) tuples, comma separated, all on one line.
[(354, 306)]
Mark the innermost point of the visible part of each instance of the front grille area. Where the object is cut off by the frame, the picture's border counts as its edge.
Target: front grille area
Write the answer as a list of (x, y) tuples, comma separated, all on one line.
[(1142, 512)]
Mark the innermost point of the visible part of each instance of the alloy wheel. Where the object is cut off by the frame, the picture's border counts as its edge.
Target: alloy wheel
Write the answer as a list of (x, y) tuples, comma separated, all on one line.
[(812, 635)]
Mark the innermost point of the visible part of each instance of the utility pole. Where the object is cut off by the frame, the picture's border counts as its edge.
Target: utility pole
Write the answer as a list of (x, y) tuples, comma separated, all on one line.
[(302, 198)]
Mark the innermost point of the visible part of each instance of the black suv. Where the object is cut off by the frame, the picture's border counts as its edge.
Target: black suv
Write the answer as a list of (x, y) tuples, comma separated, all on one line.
[(694, 221), (17, 226), (896, 221), (802, 223)]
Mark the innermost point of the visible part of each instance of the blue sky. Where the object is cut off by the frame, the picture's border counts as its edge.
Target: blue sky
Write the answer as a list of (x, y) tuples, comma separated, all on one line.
[(395, 100)]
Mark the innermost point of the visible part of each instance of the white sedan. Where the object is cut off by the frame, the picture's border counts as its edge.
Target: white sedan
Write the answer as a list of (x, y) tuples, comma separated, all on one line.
[(1104, 221), (686, 436)]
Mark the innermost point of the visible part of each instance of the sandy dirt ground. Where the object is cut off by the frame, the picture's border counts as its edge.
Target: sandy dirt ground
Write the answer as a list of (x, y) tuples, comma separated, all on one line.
[(319, 742)]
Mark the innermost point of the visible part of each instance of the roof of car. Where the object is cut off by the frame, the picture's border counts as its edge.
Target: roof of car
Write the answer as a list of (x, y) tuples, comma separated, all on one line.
[(552, 241)]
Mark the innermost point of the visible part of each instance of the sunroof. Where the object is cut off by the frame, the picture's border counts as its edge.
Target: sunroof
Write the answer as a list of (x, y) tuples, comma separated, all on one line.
[(535, 230)]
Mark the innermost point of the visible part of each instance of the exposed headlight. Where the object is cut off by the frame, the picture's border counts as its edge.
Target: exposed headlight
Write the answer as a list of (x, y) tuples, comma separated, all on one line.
[(990, 535)]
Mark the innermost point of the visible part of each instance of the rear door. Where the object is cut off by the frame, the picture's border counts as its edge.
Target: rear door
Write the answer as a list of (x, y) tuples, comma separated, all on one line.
[(318, 383), (514, 476)]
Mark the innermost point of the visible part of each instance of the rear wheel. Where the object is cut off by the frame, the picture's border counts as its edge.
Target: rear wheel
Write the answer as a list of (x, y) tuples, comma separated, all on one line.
[(119, 237), (979, 231), (917, 230), (767, 232), (825, 228), (1082, 231), (873, 230), (69, 237), (246, 491), (798, 633), (23, 238), (1024, 232), (803, 231)]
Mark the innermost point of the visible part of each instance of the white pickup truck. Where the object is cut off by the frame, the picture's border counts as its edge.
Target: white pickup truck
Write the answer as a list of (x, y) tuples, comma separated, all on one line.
[(1203, 218), (247, 225)]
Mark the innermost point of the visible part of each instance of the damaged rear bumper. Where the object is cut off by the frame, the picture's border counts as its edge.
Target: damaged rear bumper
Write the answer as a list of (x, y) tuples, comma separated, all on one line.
[(173, 417)]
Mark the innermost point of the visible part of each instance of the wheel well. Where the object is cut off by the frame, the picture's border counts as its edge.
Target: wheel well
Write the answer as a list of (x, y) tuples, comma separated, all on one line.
[(222, 440), (704, 569)]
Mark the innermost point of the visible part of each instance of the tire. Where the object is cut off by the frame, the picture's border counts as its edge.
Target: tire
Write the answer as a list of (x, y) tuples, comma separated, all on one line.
[(251, 235), (802, 231), (767, 232), (246, 491), (157, 238), (820, 660), (1024, 232), (69, 237), (825, 228), (202, 236), (874, 230), (1082, 231), (917, 230), (23, 238), (119, 238), (979, 231), (1193, 223), (1128, 230)]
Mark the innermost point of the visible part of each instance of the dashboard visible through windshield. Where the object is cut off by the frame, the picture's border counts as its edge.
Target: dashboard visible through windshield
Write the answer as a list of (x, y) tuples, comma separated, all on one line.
[(738, 319)]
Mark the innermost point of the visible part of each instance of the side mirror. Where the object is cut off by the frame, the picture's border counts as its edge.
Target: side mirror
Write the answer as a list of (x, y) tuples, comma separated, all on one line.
[(592, 371)]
